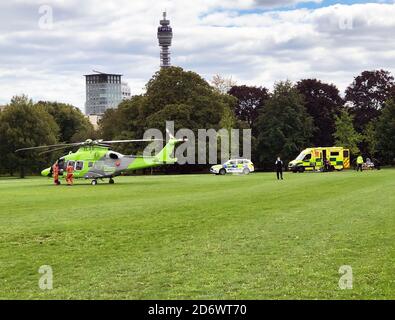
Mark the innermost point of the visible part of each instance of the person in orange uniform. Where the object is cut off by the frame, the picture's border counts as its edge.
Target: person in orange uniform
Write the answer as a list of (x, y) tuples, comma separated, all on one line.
[(55, 173), (70, 174)]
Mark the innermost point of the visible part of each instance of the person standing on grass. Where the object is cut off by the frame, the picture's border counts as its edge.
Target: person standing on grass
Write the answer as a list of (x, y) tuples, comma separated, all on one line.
[(359, 163), (55, 173), (327, 165), (279, 168), (70, 174)]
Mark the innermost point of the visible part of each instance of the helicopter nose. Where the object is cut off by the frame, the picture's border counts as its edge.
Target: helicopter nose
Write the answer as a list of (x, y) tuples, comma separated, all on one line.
[(46, 172)]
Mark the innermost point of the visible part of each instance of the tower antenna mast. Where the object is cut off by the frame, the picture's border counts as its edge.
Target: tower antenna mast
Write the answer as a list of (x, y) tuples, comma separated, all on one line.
[(165, 36)]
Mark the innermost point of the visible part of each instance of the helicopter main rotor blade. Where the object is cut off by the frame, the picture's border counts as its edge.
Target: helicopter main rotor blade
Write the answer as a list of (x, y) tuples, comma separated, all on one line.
[(88, 143), (65, 147), (50, 146), (53, 150), (127, 141)]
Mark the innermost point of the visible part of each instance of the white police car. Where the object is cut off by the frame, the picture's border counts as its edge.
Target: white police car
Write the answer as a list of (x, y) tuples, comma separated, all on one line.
[(243, 166)]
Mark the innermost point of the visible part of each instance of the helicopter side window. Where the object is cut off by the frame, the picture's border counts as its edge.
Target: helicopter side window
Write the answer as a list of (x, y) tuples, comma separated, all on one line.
[(71, 163), (114, 156), (90, 164), (79, 165)]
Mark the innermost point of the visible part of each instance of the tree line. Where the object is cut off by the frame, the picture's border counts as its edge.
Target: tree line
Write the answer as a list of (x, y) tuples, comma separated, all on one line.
[(26, 124), (312, 113), (294, 116), (284, 121)]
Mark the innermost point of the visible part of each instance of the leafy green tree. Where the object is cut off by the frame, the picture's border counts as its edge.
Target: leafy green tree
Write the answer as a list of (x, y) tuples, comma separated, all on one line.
[(172, 86), (284, 127), (385, 133), (367, 95), (128, 119), (222, 84), (249, 101), (323, 104), (73, 125), (228, 120), (345, 134), (24, 125), (172, 94), (370, 138)]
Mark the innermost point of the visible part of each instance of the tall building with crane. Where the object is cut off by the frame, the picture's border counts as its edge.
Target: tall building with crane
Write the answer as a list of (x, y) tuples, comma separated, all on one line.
[(104, 91), (165, 35)]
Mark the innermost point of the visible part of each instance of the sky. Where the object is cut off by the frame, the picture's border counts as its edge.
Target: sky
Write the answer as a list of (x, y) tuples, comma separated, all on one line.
[(47, 46)]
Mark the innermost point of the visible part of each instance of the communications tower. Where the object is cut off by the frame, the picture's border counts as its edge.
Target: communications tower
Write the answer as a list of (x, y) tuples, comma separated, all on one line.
[(165, 35)]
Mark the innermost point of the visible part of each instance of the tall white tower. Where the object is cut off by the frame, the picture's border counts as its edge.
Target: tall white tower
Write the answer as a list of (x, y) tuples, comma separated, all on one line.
[(165, 35)]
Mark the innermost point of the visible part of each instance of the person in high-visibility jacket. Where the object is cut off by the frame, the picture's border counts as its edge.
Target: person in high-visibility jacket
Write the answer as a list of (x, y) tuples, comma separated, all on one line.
[(55, 173), (70, 174), (359, 163)]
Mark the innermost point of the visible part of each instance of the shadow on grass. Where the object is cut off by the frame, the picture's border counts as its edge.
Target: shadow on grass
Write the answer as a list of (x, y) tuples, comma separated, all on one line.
[(99, 184)]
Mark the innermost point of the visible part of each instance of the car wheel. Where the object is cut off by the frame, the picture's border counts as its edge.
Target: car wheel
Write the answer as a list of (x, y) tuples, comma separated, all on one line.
[(222, 172), (94, 182), (246, 171), (301, 169)]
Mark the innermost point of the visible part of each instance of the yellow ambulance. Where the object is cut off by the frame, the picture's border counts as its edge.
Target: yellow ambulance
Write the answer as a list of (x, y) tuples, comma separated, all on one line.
[(321, 159)]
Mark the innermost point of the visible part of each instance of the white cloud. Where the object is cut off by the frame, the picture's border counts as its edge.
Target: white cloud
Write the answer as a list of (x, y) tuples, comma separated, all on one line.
[(281, 3), (210, 36)]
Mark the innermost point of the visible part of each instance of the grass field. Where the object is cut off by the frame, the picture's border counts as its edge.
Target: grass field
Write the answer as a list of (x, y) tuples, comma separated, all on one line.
[(200, 236)]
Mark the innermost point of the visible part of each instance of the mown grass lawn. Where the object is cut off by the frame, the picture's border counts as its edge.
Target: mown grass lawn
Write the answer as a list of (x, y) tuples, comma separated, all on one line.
[(200, 237)]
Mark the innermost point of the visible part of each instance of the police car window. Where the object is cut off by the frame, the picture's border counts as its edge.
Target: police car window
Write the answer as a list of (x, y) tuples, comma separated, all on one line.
[(79, 165), (232, 162)]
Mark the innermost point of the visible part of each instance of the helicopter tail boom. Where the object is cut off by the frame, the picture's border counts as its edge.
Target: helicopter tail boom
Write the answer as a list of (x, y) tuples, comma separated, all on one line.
[(165, 156)]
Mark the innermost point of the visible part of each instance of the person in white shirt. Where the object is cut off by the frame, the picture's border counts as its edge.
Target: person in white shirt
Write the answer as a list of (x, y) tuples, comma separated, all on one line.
[(279, 168)]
